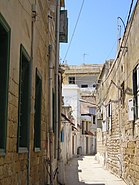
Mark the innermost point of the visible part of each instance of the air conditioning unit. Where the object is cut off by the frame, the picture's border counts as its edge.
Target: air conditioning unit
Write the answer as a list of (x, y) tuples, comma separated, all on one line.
[(131, 109)]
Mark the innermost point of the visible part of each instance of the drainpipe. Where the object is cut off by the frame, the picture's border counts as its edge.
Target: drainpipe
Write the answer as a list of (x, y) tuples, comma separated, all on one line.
[(30, 88), (120, 156), (50, 113), (56, 77)]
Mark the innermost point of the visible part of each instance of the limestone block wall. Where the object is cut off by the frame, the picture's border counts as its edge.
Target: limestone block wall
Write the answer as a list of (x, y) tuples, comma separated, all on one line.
[(13, 165), (122, 138)]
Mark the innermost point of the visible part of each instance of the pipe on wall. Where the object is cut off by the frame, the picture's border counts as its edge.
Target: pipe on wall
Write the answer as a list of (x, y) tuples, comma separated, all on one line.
[(34, 14), (50, 112), (56, 75)]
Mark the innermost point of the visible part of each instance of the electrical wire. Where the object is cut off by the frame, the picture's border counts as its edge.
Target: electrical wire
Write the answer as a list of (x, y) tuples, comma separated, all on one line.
[(129, 14), (121, 46), (110, 51), (29, 2), (106, 94), (74, 30), (130, 11), (24, 8)]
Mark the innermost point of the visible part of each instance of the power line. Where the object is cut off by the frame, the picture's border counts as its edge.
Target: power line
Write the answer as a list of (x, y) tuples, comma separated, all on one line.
[(74, 30), (24, 8), (110, 51), (121, 45), (107, 92), (30, 2)]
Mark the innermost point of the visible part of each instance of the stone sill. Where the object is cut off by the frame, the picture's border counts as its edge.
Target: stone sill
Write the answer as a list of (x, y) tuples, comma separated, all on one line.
[(22, 150), (37, 149), (2, 152)]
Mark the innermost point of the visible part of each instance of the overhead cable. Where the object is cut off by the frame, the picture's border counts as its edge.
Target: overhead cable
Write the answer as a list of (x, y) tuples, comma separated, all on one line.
[(74, 30)]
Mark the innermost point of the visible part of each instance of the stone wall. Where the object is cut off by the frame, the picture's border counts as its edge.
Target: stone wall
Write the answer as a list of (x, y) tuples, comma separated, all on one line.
[(84, 73), (13, 165), (116, 88)]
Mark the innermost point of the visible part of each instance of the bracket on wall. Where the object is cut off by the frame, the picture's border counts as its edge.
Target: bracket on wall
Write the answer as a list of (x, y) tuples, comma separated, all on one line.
[(124, 47)]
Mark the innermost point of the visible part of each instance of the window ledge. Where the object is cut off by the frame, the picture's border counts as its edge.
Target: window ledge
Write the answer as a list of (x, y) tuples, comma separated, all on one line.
[(2, 152), (37, 149), (22, 150)]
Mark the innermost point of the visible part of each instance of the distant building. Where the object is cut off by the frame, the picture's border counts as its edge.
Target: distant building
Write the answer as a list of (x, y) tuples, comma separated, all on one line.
[(71, 96), (84, 77)]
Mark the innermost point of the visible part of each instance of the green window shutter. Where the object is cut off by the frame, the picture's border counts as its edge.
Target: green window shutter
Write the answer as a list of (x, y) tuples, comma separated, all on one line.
[(54, 126), (4, 79), (23, 105), (37, 115), (135, 92)]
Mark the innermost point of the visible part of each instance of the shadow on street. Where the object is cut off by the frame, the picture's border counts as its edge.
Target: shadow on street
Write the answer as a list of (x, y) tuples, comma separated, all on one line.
[(85, 170), (73, 173)]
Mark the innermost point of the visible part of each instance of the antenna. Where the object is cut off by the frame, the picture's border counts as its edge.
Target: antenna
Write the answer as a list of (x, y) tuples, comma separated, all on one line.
[(84, 57)]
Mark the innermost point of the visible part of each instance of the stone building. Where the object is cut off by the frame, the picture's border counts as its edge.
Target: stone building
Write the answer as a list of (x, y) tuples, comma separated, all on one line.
[(117, 101), (28, 91), (84, 78), (66, 153), (84, 75), (88, 122), (71, 96)]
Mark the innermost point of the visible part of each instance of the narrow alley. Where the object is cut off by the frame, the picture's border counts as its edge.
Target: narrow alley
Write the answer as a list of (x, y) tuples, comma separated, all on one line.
[(67, 120), (86, 170)]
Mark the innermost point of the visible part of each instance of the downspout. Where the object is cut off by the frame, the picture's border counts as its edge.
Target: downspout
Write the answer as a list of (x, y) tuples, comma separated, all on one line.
[(120, 156), (56, 77), (30, 88), (50, 113)]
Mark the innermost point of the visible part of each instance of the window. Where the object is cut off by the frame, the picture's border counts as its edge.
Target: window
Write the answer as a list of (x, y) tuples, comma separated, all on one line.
[(4, 78), (84, 86), (83, 129), (94, 119), (109, 116), (72, 80), (54, 109), (62, 135), (94, 85), (87, 126), (92, 110), (37, 115), (23, 105), (122, 94), (136, 90)]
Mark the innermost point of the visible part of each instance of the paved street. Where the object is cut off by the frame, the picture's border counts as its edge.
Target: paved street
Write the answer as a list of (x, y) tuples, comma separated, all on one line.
[(86, 171)]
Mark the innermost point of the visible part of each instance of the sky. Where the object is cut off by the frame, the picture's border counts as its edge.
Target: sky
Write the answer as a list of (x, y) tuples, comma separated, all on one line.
[(97, 30)]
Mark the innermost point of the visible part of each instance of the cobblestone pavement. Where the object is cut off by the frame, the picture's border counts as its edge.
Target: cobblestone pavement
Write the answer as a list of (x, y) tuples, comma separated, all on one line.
[(86, 171)]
